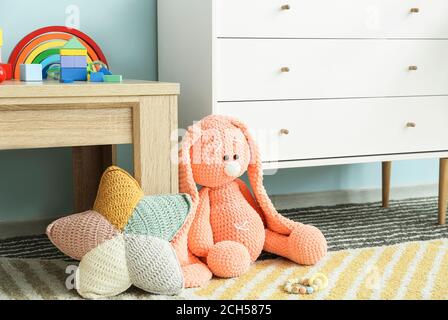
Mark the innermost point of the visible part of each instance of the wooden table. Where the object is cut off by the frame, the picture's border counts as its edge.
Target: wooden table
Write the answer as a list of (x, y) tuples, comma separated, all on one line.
[(93, 118)]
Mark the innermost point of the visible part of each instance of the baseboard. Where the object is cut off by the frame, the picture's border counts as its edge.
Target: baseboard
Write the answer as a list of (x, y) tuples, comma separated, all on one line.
[(287, 201), (24, 228), (328, 198)]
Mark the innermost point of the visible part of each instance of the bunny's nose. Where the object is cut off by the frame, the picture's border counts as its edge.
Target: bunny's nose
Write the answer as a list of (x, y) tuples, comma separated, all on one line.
[(232, 169)]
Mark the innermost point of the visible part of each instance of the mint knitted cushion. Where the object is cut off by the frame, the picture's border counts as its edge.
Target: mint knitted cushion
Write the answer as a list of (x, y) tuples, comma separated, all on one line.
[(160, 216)]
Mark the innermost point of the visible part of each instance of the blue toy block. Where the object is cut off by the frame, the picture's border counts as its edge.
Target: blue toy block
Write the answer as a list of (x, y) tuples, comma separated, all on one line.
[(73, 61), (31, 72), (75, 74), (97, 77), (105, 72), (79, 62), (67, 61)]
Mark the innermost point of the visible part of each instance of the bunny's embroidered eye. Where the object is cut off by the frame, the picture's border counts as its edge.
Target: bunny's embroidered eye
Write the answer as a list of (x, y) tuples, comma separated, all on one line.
[(226, 157), (236, 157)]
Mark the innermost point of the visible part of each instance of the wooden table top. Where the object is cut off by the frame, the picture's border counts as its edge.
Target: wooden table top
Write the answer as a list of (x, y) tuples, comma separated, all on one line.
[(21, 89)]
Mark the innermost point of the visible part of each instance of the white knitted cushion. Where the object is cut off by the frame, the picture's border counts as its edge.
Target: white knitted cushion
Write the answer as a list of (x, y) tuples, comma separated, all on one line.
[(103, 271), (153, 265)]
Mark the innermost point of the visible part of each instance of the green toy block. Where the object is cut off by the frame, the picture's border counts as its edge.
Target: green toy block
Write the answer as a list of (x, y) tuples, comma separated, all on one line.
[(113, 78), (73, 43)]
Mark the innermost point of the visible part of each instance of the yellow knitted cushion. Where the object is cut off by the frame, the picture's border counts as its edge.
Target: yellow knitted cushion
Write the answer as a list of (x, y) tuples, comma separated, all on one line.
[(118, 195)]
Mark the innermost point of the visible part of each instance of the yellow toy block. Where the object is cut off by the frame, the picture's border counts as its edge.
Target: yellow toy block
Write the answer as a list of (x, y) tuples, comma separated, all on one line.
[(73, 52)]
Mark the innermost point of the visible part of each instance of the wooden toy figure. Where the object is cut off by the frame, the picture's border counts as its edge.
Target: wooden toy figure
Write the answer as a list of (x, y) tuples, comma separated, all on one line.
[(73, 61)]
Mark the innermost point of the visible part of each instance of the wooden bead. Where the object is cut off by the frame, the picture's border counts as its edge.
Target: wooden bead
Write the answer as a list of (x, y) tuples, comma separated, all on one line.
[(296, 289)]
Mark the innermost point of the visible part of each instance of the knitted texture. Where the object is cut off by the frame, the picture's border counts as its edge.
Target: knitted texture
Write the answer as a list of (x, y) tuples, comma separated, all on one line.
[(228, 259), (159, 216), (118, 194), (127, 242), (103, 271), (153, 265), (77, 234), (234, 219), (195, 274), (215, 151)]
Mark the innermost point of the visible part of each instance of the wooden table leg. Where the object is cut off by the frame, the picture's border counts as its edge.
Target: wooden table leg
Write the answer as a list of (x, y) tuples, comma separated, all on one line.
[(155, 118), (386, 173), (89, 164), (443, 189)]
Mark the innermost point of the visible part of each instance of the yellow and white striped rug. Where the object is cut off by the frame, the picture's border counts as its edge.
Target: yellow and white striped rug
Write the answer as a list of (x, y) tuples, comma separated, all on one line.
[(415, 270)]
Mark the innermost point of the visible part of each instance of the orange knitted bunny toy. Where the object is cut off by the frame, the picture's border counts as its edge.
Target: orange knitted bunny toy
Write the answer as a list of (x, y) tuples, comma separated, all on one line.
[(231, 227)]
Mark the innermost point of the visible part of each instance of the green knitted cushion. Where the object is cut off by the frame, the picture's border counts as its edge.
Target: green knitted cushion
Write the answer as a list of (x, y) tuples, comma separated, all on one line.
[(159, 216)]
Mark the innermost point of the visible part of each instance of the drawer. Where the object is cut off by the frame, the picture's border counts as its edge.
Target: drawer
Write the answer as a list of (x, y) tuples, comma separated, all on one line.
[(332, 18), (318, 129), (251, 69)]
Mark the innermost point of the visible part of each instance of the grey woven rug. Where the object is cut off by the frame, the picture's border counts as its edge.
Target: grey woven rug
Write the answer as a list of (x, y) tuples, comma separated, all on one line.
[(347, 226)]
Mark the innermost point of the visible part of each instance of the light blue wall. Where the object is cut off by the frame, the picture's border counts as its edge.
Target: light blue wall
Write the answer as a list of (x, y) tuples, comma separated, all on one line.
[(38, 183)]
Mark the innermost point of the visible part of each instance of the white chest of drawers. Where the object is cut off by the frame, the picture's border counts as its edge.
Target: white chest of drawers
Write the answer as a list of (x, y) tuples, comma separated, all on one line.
[(320, 82)]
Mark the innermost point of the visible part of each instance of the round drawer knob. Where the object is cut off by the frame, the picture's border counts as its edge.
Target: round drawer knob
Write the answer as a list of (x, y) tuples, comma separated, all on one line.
[(286, 7), (411, 125), (415, 10), (413, 68), (284, 132), (285, 69)]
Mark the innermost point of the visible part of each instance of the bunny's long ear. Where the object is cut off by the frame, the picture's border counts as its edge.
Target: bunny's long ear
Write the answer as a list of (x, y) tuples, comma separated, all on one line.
[(187, 185), (275, 221), (186, 180)]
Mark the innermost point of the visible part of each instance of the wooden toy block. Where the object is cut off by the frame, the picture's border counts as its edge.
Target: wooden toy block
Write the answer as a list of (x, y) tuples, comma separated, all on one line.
[(76, 74), (96, 77), (79, 61), (8, 68), (73, 43), (73, 52), (105, 71), (113, 78), (67, 61), (31, 72), (73, 61)]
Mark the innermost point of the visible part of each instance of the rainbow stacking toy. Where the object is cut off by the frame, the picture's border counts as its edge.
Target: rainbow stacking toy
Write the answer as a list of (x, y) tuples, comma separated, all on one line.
[(43, 47)]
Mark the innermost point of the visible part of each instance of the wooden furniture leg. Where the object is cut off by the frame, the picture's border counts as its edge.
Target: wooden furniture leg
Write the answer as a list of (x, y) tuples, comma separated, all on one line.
[(386, 172), (89, 164), (443, 189), (155, 119)]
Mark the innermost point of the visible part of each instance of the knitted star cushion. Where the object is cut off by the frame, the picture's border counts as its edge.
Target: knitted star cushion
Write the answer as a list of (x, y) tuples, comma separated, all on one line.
[(125, 240)]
